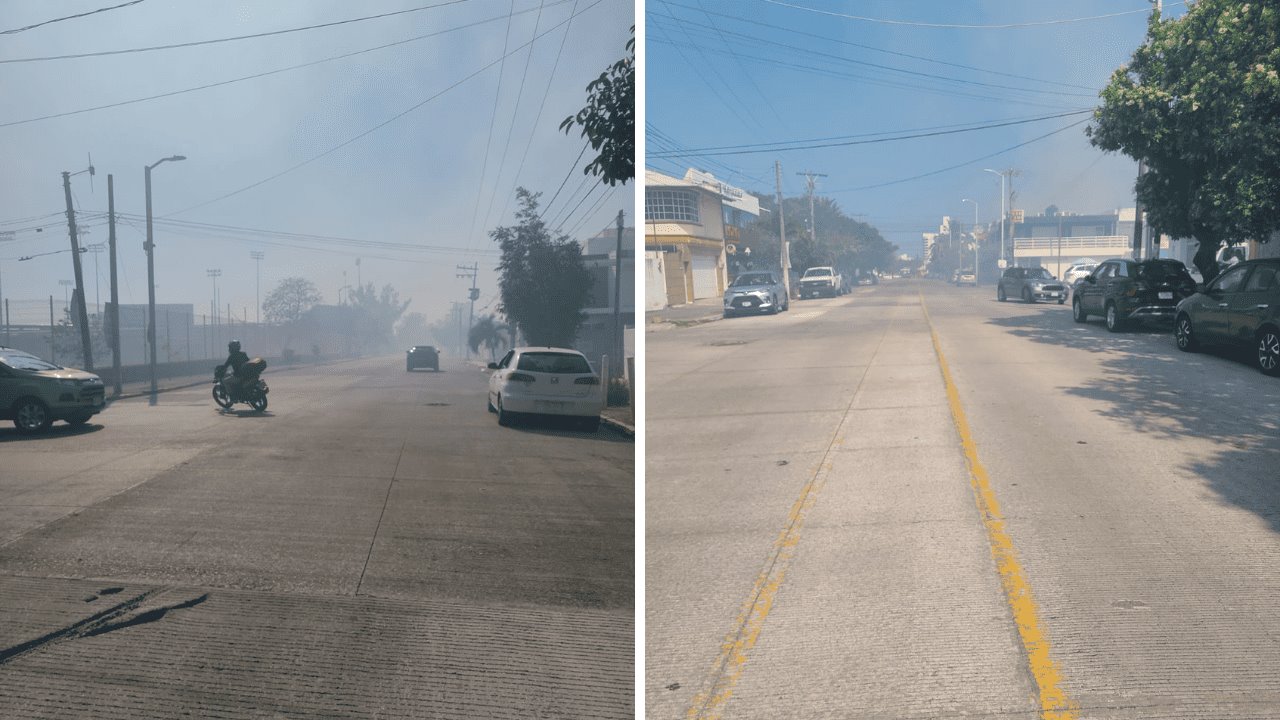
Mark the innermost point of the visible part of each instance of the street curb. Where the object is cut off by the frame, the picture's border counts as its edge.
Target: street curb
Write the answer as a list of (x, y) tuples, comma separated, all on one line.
[(618, 426)]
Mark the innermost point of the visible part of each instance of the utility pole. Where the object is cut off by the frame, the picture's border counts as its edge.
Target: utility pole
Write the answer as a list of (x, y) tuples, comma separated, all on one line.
[(213, 304), (619, 345), (150, 247), (82, 315), (470, 272), (782, 231), (115, 293), (1138, 229), (813, 230), (257, 256)]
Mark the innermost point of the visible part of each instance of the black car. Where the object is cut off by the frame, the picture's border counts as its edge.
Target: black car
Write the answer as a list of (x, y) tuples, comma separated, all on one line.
[(1240, 307), (422, 356), (1122, 291), (1030, 284)]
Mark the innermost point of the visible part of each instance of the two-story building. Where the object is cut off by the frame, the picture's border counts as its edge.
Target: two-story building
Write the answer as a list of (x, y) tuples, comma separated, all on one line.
[(688, 222)]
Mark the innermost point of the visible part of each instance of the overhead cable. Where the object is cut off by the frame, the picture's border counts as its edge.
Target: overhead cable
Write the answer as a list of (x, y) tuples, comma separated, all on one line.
[(69, 17), (1003, 26)]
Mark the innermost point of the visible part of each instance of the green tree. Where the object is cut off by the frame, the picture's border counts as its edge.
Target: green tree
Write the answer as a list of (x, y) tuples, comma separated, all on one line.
[(291, 299), (375, 314), (544, 282), (841, 241), (609, 119), (1198, 104), (489, 333)]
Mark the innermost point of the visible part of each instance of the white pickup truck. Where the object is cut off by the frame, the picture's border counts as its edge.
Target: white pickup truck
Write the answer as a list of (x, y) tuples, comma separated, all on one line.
[(823, 280)]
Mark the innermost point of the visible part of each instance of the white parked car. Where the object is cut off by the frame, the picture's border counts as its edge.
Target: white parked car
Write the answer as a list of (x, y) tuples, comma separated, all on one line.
[(1077, 271), (545, 381)]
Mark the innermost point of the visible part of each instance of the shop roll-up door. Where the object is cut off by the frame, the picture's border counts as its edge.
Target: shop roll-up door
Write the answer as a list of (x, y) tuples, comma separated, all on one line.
[(704, 276)]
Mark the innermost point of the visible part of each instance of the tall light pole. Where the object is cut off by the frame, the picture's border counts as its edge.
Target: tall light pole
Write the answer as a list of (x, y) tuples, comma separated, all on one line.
[(974, 234), (257, 256), (151, 275), (1002, 180)]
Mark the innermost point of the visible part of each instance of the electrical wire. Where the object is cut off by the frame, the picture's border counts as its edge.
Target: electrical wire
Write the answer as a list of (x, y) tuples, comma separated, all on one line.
[(269, 72), (886, 51), (567, 175), (69, 17), (691, 64), (729, 46), (493, 120), (960, 165), (914, 136), (371, 130), (698, 48), (1003, 26), (196, 43)]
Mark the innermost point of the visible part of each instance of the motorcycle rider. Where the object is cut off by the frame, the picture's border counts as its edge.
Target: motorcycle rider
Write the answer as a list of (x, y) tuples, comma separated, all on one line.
[(236, 360)]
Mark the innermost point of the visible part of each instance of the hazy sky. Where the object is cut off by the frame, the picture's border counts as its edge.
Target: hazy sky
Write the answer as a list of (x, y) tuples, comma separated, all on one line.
[(766, 71), (422, 180)]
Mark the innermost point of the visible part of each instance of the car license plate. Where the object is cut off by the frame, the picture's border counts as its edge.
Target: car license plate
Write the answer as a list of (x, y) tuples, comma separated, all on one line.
[(1166, 296), (747, 303), (548, 405), (1055, 294)]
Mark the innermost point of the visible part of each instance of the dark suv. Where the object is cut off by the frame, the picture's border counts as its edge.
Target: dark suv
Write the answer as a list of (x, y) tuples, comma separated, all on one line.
[(1124, 290), (1030, 284), (422, 356), (1240, 307)]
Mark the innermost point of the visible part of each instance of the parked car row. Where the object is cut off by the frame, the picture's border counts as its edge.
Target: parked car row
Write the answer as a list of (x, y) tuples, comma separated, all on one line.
[(1239, 308)]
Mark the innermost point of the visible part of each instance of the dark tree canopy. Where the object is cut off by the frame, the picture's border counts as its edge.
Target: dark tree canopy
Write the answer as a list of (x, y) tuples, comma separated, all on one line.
[(609, 119), (841, 241), (544, 282), (1199, 104), (291, 299)]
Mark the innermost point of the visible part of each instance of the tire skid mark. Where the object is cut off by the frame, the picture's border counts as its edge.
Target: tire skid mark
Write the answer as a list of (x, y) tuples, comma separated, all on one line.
[(82, 628)]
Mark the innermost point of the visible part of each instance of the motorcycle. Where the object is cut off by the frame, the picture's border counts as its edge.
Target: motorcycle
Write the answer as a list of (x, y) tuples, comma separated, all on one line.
[(253, 391)]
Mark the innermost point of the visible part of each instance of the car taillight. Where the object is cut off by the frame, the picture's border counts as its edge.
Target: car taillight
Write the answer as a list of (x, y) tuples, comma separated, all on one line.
[(587, 381), (521, 377)]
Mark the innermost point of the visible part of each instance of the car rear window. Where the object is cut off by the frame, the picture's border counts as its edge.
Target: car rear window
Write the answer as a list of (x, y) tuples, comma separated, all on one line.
[(1168, 271), (818, 272), (552, 362)]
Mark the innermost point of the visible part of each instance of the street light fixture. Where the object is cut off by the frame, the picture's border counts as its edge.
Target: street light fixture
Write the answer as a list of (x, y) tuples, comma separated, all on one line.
[(149, 246)]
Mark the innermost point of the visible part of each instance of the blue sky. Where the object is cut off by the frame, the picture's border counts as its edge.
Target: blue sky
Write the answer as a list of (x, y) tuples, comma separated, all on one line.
[(421, 180), (765, 71)]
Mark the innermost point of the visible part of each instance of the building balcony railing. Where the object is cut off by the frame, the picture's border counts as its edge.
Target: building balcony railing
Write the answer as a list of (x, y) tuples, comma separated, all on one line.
[(1051, 245)]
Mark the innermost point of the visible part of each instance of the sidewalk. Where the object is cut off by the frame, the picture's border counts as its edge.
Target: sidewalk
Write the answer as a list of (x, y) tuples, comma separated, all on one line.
[(694, 313)]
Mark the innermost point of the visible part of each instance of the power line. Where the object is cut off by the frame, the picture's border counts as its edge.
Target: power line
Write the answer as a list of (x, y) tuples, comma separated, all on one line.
[(484, 168), (891, 68), (729, 46), (69, 17), (373, 129), (760, 149), (886, 51), (698, 48), (567, 175), (886, 82), (537, 118), (1004, 26), (270, 72), (103, 53), (963, 164)]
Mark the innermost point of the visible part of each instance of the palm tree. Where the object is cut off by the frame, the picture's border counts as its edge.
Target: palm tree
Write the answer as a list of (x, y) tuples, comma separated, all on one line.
[(489, 333)]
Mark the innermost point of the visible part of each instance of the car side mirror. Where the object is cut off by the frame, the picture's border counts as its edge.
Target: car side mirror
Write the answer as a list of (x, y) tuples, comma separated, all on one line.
[(493, 366)]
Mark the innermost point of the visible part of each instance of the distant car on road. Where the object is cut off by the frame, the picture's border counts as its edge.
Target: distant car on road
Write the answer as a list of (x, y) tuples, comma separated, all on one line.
[(1240, 307), (34, 393), (965, 276), (755, 292), (422, 356), (1030, 284), (1123, 290), (1076, 271), (545, 381)]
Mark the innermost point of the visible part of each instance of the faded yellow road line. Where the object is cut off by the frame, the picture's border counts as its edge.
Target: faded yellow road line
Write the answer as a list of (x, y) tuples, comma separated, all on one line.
[(710, 702), (1054, 703)]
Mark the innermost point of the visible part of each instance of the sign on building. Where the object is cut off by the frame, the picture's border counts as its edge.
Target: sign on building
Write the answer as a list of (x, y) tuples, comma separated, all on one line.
[(1016, 216)]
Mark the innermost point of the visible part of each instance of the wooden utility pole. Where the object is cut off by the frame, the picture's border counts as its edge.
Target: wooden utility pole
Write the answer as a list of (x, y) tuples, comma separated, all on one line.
[(82, 315), (813, 229), (618, 344), (782, 232), (114, 317)]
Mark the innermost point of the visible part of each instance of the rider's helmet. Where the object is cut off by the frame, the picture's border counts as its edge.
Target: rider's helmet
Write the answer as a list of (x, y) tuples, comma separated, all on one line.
[(233, 346)]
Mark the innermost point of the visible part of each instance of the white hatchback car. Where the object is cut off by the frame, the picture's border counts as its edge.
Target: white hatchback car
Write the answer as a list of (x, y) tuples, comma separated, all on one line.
[(545, 381)]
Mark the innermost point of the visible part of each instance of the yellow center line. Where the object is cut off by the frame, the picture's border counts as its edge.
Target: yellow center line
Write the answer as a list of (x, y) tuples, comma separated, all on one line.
[(709, 703), (1054, 703)]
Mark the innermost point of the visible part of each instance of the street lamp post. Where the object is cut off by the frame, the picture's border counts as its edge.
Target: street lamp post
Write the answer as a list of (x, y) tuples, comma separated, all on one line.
[(1002, 180), (257, 256), (151, 276), (974, 234)]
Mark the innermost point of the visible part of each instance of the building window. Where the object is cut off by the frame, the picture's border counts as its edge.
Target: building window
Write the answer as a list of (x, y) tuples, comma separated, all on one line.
[(671, 205)]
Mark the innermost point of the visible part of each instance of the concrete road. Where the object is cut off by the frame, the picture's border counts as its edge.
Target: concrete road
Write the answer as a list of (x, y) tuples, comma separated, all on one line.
[(1066, 523), (372, 546)]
